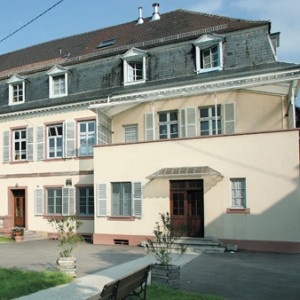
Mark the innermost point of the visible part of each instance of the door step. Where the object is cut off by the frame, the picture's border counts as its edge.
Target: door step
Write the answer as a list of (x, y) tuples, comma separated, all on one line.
[(30, 235), (202, 245)]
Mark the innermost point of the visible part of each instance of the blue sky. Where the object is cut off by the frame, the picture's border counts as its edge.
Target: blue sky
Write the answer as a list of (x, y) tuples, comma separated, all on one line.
[(77, 16)]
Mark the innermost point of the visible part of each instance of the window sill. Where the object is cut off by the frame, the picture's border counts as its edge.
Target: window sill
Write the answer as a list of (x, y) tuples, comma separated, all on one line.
[(82, 217), (121, 218), (134, 82), (238, 210), (202, 71)]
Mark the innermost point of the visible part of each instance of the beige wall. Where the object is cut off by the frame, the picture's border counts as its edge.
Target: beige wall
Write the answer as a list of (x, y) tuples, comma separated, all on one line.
[(269, 162), (255, 112)]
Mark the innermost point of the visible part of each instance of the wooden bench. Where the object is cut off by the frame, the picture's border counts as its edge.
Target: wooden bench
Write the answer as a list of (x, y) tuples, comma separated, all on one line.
[(134, 284)]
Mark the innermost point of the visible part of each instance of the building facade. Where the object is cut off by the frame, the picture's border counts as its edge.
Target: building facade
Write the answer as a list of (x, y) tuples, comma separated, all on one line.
[(186, 113)]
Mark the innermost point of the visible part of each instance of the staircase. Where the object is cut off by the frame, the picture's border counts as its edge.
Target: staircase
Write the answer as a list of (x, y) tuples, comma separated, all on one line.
[(30, 235), (202, 245)]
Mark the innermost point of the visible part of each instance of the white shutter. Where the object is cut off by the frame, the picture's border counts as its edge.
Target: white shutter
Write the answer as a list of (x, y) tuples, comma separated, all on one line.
[(101, 199), (5, 147), (68, 201), (188, 122), (29, 143), (69, 139), (137, 198), (229, 118), (149, 127), (38, 202), (40, 143)]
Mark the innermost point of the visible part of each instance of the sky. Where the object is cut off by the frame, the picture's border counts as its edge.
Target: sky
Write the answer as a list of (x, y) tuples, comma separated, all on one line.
[(70, 17)]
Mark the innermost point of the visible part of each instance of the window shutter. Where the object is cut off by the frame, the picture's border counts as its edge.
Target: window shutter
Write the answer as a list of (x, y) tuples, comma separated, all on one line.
[(188, 122), (6, 148), (229, 118), (101, 200), (69, 139), (29, 143), (38, 202), (137, 199), (68, 201), (40, 143), (149, 126)]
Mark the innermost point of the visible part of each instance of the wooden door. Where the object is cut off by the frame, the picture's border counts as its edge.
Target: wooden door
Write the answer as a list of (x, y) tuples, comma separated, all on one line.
[(195, 214), (19, 211)]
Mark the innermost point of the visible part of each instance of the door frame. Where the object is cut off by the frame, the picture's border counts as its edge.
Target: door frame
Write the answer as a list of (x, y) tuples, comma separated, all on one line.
[(11, 203), (185, 191)]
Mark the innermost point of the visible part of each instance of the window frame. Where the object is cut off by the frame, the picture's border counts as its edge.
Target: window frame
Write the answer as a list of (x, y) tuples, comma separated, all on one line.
[(243, 193), (168, 123), (133, 135), (20, 141), (55, 211), (86, 135), (212, 130), (89, 193), (54, 74), (15, 82), (55, 138), (133, 57), (122, 198), (202, 45)]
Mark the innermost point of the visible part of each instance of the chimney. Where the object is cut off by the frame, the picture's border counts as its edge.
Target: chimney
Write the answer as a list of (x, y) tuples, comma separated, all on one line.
[(155, 15), (140, 19)]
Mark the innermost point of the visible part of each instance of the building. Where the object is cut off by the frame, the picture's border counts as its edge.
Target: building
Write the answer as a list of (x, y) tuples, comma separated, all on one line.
[(183, 112)]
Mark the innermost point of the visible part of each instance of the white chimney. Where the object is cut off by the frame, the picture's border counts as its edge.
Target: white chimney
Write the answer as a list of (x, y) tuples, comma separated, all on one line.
[(140, 19), (155, 15)]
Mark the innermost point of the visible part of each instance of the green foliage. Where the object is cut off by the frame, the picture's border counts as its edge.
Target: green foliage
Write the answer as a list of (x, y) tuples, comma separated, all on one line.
[(164, 244), (66, 227), (159, 292), (17, 283), (5, 239)]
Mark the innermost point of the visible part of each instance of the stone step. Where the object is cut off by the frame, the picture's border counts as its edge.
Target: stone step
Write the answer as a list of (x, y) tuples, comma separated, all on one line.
[(30, 235)]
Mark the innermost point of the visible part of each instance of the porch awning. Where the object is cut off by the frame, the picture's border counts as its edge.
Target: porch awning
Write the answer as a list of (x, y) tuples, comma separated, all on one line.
[(211, 177)]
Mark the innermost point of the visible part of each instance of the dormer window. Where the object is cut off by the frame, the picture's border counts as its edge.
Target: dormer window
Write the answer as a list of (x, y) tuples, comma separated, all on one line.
[(16, 90), (58, 82), (209, 54), (134, 66)]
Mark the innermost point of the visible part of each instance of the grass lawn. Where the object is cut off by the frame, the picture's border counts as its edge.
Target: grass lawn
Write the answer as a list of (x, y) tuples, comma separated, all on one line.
[(16, 283), (158, 292), (6, 239)]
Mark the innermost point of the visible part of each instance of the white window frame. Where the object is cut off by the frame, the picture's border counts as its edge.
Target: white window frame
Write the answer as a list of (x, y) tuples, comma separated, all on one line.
[(168, 123), (55, 200), (19, 141), (55, 74), (86, 136), (122, 199), (130, 59), (89, 193), (16, 82), (206, 43), (131, 133), (213, 130), (55, 138), (238, 193)]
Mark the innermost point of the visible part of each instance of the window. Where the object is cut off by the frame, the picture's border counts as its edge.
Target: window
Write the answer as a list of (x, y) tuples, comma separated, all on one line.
[(131, 133), (210, 120), (58, 82), (87, 137), (86, 201), (121, 199), (168, 125), (238, 192), (16, 89), (134, 66), (55, 141), (19, 142), (54, 201), (209, 56)]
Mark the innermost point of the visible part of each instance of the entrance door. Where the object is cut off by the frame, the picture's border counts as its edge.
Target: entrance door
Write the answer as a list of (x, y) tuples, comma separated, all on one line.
[(187, 207), (19, 208)]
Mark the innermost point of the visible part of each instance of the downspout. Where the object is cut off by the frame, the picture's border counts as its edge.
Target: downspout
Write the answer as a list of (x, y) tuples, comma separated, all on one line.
[(216, 114), (282, 111)]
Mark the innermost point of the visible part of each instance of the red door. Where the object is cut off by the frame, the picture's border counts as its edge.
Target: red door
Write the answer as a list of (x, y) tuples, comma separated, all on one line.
[(187, 207), (19, 211)]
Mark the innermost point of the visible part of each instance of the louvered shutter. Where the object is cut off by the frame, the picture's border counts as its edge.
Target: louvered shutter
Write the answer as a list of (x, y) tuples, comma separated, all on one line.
[(29, 143), (137, 198), (38, 202), (68, 201), (229, 118), (188, 122), (149, 127), (101, 199), (5, 147), (69, 139), (40, 143)]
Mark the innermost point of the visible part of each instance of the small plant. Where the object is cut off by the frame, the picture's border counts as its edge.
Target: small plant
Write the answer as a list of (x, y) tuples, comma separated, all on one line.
[(17, 231), (66, 227), (164, 243)]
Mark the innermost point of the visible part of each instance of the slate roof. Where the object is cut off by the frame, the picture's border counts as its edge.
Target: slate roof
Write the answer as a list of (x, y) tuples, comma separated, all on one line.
[(176, 25)]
